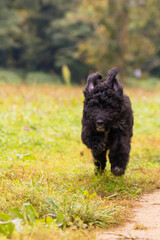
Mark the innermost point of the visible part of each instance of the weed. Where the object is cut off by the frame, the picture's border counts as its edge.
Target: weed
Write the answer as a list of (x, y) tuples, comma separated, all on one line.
[(139, 227)]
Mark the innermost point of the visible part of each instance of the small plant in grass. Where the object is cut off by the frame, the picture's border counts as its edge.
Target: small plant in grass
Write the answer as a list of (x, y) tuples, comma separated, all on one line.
[(80, 211), (16, 218), (139, 227), (77, 212)]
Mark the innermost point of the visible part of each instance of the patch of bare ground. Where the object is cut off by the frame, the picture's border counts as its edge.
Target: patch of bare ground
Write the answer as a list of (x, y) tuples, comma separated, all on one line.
[(145, 224)]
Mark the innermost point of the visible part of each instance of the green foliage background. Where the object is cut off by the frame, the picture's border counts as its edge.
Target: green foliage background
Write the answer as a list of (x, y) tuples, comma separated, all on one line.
[(85, 35)]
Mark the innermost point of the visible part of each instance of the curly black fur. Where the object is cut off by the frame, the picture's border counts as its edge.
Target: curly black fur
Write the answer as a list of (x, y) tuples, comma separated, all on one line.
[(107, 122)]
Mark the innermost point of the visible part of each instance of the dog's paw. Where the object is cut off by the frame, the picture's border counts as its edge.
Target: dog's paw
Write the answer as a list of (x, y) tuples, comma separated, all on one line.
[(99, 147), (117, 171)]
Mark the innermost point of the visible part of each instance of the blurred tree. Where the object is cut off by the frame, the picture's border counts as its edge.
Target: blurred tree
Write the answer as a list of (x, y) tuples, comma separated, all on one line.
[(142, 47), (108, 45), (85, 35), (10, 33), (118, 30), (66, 33), (151, 30), (49, 39)]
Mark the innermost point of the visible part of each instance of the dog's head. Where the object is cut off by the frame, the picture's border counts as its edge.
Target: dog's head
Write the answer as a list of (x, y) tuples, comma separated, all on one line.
[(103, 100)]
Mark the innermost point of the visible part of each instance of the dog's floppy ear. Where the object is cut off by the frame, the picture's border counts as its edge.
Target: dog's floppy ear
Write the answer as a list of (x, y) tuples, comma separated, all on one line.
[(112, 80), (92, 81)]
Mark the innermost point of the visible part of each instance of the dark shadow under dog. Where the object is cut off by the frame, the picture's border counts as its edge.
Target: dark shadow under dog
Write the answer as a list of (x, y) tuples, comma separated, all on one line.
[(107, 122)]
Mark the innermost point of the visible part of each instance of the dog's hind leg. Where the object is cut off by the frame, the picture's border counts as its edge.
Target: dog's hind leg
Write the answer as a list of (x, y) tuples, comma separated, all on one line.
[(99, 159)]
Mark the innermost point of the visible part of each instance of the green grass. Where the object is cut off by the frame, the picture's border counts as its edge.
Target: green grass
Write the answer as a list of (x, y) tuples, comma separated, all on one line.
[(44, 163), (145, 83)]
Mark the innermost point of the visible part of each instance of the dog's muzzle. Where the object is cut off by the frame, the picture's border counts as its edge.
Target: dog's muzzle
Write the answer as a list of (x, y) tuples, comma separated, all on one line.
[(100, 126)]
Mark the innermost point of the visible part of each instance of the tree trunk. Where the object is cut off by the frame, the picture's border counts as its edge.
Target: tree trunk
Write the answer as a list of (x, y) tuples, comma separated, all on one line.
[(123, 39)]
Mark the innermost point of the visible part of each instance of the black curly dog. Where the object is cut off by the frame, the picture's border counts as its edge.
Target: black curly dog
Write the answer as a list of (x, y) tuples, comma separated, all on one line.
[(107, 122)]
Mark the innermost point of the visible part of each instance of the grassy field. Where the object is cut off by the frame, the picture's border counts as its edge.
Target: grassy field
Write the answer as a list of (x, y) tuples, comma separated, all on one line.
[(44, 163)]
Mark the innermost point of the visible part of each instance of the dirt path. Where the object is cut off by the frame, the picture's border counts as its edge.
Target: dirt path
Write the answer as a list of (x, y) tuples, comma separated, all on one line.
[(145, 225)]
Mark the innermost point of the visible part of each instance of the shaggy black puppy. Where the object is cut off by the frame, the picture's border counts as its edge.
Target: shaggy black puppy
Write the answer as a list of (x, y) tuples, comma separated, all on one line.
[(107, 122)]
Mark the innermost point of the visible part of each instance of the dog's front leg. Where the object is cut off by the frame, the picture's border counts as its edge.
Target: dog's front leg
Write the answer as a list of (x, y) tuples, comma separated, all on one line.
[(98, 147), (119, 154), (99, 161), (99, 154)]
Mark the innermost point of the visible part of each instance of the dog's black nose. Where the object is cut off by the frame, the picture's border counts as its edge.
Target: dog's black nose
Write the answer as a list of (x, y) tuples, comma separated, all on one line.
[(99, 122)]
